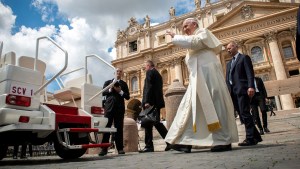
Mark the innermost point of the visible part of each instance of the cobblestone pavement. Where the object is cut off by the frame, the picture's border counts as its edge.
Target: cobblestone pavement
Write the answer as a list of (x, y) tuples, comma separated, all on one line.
[(279, 150)]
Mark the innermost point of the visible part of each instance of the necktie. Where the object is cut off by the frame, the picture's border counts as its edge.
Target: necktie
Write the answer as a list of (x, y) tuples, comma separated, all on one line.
[(232, 63)]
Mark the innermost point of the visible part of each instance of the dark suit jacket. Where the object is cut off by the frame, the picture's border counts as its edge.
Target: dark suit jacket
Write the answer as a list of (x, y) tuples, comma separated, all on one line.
[(298, 35), (114, 102), (261, 87), (153, 89), (242, 75)]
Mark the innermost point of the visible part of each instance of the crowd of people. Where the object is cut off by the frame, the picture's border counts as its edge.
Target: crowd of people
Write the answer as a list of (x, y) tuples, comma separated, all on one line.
[(206, 114)]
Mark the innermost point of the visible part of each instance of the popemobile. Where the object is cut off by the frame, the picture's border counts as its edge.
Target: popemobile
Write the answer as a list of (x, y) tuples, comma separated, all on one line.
[(73, 123)]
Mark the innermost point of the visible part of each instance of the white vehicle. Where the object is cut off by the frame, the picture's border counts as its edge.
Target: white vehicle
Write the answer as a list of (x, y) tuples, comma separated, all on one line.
[(24, 118)]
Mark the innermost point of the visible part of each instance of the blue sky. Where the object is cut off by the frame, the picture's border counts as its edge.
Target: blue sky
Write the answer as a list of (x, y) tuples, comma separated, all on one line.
[(79, 27), (29, 14)]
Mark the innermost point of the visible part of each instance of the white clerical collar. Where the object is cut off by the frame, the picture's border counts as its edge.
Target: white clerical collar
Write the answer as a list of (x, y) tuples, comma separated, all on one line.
[(236, 55)]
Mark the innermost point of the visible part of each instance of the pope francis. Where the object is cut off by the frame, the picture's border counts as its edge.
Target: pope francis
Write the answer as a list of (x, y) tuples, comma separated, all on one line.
[(205, 116)]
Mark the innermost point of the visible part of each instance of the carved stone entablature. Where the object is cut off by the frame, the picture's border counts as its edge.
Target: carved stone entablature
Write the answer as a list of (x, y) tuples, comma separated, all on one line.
[(148, 57), (271, 36), (134, 73), (176, 60), (239, 42), (165, 64), (247, 12), (284, 34), (163, 53)]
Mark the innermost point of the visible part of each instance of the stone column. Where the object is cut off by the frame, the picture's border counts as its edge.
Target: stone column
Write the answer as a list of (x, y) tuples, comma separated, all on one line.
[(286, 100), (178, 70), (240, 45), (126, 79), (173, 97), (277, 101)]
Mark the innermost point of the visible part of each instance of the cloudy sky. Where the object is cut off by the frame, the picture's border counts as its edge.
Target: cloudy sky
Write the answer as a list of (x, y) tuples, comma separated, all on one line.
[(81, 27)]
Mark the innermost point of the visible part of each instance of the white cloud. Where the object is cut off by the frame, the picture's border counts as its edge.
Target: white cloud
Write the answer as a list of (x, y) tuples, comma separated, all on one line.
[(46, 8), (7, 20)]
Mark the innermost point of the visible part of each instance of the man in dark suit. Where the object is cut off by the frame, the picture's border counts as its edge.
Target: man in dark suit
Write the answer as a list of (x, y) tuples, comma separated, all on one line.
[(240, 83), (298, 35), (153, 96), (259, 99), (114, 107)]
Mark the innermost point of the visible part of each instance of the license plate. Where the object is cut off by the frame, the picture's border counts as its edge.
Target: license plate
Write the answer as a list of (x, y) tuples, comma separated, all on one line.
[(21, 89)]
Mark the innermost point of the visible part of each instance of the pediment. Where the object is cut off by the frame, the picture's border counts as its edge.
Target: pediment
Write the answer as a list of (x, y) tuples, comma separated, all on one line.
[(248, 11), (133, 29)]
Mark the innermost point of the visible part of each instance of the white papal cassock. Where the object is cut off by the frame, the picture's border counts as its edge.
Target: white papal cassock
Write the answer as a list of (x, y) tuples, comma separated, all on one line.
[(205, 116)]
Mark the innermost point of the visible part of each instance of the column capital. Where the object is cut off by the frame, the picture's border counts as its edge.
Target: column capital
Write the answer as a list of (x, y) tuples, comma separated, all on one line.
[(271, 36), (177, 60), (239, 42), (293, 31)]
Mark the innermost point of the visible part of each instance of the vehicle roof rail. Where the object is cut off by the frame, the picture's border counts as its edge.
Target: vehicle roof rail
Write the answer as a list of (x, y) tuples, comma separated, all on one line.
[(36, 58), (86, 72)]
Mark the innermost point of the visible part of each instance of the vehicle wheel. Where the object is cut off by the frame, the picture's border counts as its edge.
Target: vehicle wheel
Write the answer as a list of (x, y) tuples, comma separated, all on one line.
[(3, 151), (65, 153)]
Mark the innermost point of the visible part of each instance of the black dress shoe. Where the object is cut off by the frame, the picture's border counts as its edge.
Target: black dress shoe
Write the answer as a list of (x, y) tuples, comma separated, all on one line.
[(248, 143), (147, 150), (266, 130), (182, 148), (261, 132), (169, 147), (121, 152), (102, 153), (220, 148)]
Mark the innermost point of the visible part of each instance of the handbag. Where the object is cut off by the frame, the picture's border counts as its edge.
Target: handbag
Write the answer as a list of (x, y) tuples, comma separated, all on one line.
[(148, 117)]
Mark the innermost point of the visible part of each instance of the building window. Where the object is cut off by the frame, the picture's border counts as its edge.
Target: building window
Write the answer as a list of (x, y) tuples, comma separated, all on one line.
[(134, 84), (294, 72), (164, 75), (287, 50), (133, 46), (161, 39), (257, 54)]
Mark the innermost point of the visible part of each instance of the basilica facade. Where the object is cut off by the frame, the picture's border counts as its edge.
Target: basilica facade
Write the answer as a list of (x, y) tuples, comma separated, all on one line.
[(264, 29)]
